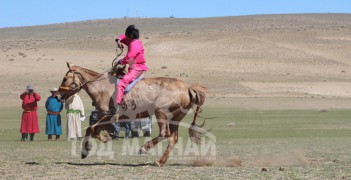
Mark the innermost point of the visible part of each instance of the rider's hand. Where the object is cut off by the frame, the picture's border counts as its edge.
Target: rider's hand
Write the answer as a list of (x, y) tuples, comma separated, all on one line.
[(112, 73), (119, 44)]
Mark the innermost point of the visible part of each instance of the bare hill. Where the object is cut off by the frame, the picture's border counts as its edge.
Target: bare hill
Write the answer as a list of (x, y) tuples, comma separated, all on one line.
[(266, 61)]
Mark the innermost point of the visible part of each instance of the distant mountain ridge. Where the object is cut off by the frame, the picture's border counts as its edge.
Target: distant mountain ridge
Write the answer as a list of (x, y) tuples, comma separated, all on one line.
[(157, 25)]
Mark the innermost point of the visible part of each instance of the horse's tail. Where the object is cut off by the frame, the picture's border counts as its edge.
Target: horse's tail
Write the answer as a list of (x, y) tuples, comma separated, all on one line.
[(197, 94)]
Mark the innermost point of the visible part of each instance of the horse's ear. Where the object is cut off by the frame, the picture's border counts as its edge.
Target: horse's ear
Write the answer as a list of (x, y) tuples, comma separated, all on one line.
[(71, 66)]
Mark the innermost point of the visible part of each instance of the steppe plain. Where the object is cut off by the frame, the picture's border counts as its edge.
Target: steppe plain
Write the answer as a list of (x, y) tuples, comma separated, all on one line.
[(279, 102)]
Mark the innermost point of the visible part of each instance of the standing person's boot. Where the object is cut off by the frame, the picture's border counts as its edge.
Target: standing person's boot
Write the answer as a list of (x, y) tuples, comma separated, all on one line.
[(31, 136), (57, 137), (50, 137), (24, 137)]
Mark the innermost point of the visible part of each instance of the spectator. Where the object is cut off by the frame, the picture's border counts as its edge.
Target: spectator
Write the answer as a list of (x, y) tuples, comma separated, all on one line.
[(75, 113), (29, 116), (126, 125), (53, 117)]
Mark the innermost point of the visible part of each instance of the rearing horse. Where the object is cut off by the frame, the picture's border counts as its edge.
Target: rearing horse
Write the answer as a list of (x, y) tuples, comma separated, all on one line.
[(169, 99)]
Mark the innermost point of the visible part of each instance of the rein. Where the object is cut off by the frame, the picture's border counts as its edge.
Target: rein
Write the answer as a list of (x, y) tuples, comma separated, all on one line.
[(82, 84), (92, 80), (117, 55)]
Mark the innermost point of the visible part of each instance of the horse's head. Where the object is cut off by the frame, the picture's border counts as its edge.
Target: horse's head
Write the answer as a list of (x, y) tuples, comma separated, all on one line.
[(71, 83)]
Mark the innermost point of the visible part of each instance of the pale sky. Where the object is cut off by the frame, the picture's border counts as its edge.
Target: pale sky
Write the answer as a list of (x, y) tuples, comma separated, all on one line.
[(14, 13)]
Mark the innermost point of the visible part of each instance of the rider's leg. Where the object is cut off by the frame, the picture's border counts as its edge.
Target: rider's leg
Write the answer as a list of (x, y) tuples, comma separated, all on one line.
[(124, 82)]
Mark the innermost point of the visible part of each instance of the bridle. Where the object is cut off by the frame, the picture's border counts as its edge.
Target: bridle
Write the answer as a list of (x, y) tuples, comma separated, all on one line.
[(68, 89), (80, 85)]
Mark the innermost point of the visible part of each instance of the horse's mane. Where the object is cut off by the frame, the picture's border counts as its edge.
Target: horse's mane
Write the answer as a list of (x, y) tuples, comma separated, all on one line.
[(91, 72)]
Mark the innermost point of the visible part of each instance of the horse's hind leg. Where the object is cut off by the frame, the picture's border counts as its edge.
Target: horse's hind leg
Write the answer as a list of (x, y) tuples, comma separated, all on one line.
[(172, 141), (173, 126), (150, 144), (162, 124)]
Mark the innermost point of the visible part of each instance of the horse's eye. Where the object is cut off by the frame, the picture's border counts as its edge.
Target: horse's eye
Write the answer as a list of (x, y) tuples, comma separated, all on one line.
[(64, 79)]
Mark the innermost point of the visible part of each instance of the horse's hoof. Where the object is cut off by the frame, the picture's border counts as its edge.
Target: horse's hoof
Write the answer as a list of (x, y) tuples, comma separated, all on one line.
[(159, 164), (142, 151), (84, 155)]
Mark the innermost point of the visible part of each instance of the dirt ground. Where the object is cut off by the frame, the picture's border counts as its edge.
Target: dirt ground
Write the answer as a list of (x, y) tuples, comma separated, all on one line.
[(266, 62)]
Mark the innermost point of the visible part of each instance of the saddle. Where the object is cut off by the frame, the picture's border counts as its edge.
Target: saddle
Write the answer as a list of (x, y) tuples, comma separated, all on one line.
[(119, 71), (132, 84)]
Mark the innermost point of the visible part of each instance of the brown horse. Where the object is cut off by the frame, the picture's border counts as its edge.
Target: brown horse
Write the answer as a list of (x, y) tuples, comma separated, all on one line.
[(169, 99)]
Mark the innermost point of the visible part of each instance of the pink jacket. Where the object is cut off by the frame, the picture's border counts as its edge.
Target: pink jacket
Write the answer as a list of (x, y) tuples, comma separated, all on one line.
[(135, 56)]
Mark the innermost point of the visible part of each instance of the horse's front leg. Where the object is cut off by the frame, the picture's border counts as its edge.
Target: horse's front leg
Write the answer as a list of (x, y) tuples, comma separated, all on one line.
[(86, 146)]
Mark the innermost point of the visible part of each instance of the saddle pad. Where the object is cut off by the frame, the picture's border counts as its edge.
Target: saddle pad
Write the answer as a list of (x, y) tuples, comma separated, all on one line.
[(132, 84)]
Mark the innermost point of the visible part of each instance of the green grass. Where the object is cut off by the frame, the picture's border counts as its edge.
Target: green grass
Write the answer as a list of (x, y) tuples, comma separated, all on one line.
[(308, 144), (284, 124)]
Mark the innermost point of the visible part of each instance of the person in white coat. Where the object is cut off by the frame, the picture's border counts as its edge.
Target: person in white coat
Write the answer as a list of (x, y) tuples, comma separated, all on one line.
[(75, 114)]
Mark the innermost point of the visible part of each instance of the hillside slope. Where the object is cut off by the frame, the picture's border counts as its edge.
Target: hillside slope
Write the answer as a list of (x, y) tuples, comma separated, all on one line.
[(291, 58)]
